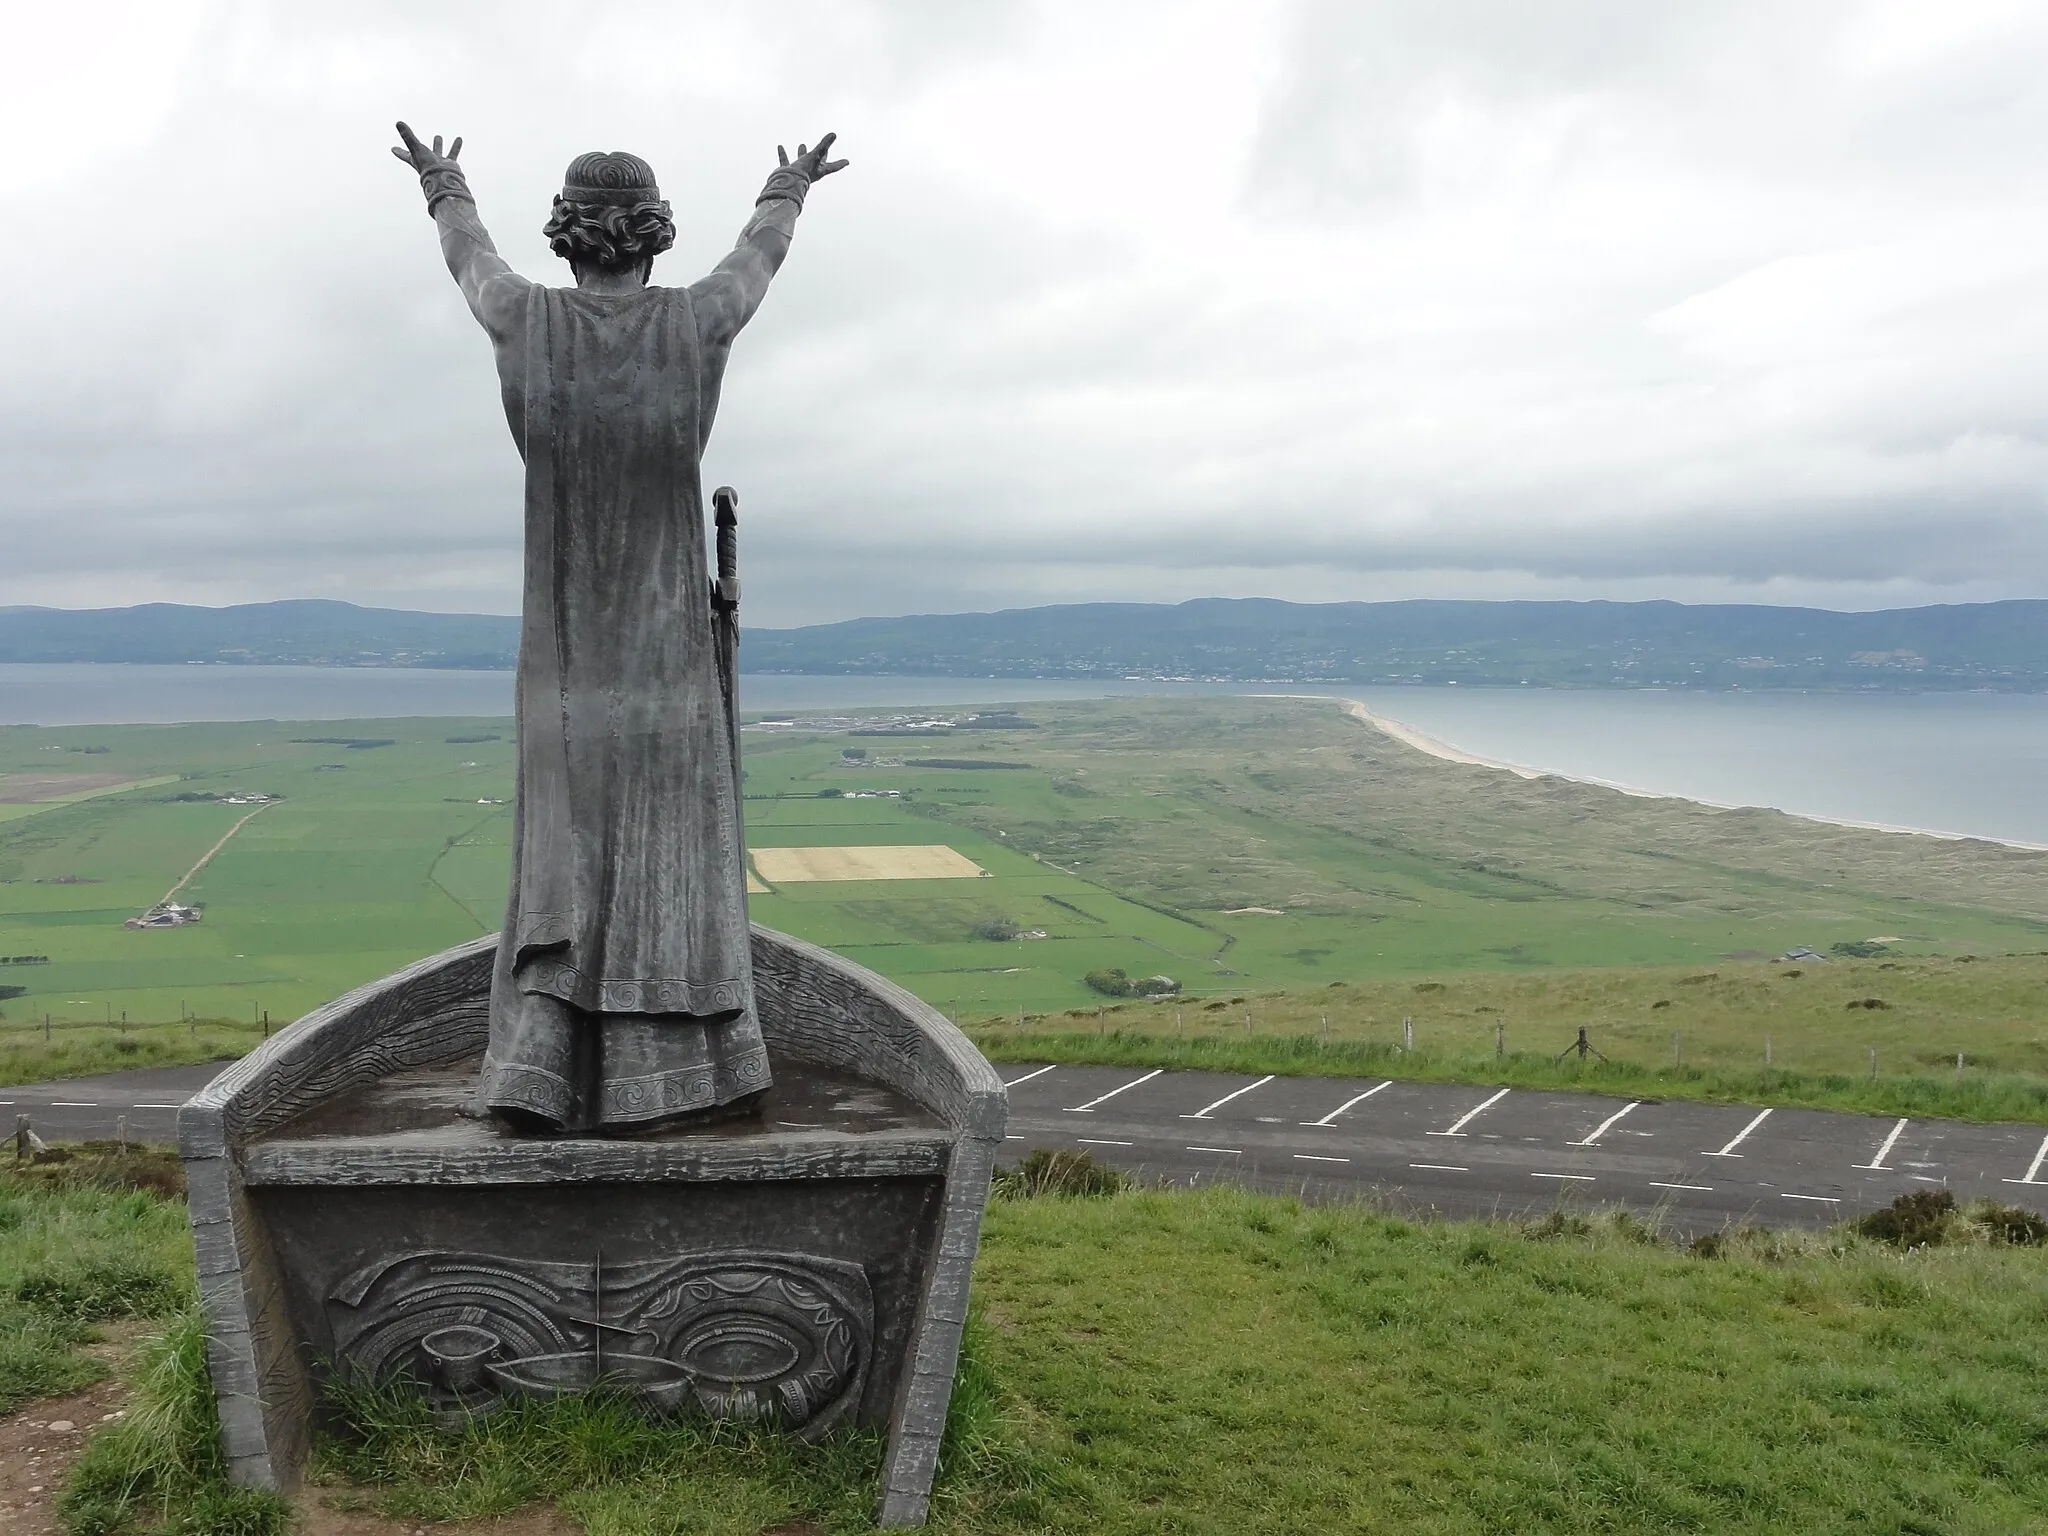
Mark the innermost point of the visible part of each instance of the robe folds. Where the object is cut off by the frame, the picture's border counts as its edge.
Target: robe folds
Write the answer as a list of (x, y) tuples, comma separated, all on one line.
[(623, 992)]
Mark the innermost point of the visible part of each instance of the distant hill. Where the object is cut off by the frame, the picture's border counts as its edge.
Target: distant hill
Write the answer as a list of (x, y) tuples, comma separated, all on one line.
[(311, 632), (2002, 646), (1570, 645)]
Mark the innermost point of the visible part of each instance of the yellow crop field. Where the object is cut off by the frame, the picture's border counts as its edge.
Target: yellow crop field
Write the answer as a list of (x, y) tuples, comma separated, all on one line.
[(929, 861)]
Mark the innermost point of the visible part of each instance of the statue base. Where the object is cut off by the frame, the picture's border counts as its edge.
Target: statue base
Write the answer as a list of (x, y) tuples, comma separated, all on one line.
[(804, 1266)]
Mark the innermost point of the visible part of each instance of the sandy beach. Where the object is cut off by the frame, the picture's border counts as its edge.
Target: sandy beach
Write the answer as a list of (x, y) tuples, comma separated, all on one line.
[(1421, 741)]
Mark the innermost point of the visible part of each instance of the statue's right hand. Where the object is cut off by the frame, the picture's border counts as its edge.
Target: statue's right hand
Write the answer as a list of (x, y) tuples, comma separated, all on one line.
[(421, 157)]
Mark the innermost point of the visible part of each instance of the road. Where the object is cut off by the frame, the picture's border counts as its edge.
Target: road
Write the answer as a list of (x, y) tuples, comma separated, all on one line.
[(1464, 1151), (1458, 1151)]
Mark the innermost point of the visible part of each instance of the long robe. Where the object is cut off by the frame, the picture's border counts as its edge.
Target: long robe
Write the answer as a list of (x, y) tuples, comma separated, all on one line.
[(623, 993), (628, 903)]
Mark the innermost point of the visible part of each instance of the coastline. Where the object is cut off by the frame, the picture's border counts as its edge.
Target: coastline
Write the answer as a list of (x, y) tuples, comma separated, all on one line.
[(1423, 742)]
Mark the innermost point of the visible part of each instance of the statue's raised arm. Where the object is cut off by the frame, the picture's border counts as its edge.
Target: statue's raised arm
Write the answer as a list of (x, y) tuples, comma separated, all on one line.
[(727, 298), (496, 294)]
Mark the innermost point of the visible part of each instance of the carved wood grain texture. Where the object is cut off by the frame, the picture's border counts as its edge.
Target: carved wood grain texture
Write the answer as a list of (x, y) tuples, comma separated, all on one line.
[(925, 1386), (830, 1010), (429, 1013), (812, 1005), (591, 1161)]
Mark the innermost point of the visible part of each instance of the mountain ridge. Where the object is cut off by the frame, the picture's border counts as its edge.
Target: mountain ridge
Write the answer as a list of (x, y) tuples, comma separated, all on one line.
[(2001, 646)]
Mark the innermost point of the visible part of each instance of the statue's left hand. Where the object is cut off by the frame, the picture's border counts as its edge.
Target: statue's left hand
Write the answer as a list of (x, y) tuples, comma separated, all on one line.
[(810, 163), (423, 158)]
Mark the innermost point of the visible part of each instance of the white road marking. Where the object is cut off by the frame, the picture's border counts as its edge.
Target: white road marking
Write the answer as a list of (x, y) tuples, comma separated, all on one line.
[(71, 1104), (1822, 1199), (156, 1106), (1607, 1125), (1876, 1164), (1577, 1178), (1705, 1189), (1203, 1114), (1092, 1141), (1358, 1099), (1317, 1157), (2032, 1168), (1227, 1151), (1082, 1109), (1013, 1082), (1440, 1167), (1740, 1137), (1458, 1125), (1013, 1138)]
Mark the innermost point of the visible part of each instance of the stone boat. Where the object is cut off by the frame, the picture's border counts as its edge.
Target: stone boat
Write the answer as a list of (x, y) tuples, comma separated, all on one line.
[(807, 1267)]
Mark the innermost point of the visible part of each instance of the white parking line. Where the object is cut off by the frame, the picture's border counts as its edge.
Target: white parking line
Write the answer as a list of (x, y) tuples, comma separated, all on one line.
[(1705, 1189), (1226, 1151), (1013, 1082), (1740, 1137), (1091, 1141), (1607, 1125), (1203, 1114), (1458, 1125), (1357, 1099), (1316, 1157), (2032, 1168), (1876, 1164), (1822, 1199), (1082, 1109), (1440, 1167), (1576, 1178)]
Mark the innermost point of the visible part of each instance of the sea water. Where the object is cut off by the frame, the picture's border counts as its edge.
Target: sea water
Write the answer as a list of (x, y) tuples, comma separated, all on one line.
[(1967, 763)]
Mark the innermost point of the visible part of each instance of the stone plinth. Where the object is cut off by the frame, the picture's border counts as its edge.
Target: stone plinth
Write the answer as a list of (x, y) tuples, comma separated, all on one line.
[(807, 1266)]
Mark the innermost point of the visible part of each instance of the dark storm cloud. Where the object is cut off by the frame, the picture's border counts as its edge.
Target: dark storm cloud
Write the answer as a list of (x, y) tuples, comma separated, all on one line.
[(1327, 300)]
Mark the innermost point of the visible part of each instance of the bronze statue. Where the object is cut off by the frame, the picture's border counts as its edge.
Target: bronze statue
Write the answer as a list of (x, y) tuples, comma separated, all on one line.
[(623, 995)]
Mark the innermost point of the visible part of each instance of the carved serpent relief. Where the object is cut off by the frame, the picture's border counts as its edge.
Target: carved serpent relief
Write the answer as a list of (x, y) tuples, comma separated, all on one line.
[(778, 1337)]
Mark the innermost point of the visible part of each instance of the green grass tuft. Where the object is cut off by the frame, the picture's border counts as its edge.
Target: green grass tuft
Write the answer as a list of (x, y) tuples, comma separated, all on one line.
[(160, 1469)]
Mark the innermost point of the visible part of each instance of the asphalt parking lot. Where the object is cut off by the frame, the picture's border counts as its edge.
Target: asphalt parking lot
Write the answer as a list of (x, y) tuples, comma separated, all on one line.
[(1460, 1151), (1467, 1151)]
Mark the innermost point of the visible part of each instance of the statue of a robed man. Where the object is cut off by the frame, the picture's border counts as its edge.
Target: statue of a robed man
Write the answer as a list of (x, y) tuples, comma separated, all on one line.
[(623, 995)]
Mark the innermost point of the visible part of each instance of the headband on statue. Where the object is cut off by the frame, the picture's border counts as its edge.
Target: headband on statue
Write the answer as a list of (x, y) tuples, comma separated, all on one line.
[(617, 179)]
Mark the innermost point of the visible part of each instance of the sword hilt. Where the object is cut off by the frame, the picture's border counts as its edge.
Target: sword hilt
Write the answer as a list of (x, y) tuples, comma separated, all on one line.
[(725, 505)]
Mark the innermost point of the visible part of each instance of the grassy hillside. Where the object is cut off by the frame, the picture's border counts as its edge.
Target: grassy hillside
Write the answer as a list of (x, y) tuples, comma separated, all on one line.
[(1240, 846), (1228, 1363)]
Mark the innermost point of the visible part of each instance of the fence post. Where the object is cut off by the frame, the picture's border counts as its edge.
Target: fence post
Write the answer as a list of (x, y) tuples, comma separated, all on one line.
[(1247, 1023), (121, 1133), (1326, 1026), (1677, 1049), (1767, 1053), (1959, 1063), (266, 1023), (1873, 1063), (1176, 1023), (46, 1029), (1407, 1034), (1500, 1038)]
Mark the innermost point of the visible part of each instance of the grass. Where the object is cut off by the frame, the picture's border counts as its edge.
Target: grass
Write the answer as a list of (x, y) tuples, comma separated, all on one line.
[(1223, 1362), (30, 1055), (1250, 848), (1668, 1032), (79, 1248)]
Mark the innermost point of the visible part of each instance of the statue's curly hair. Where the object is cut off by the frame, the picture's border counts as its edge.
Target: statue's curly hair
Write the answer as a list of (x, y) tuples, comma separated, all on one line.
[(609, 237)]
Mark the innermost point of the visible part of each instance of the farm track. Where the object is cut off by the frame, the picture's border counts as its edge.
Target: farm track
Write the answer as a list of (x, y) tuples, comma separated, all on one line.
[(206, 858)]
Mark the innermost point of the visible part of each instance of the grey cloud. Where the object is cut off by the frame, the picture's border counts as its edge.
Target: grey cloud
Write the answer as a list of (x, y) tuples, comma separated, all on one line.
[(1574, 300)]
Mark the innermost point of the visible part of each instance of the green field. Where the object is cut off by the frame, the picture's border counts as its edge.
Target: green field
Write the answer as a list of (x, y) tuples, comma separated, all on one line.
[(1209, 1364), (1239, 846)]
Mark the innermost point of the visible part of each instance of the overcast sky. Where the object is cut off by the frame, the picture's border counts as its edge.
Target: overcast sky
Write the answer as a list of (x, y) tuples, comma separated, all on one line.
[(1479, 298)]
